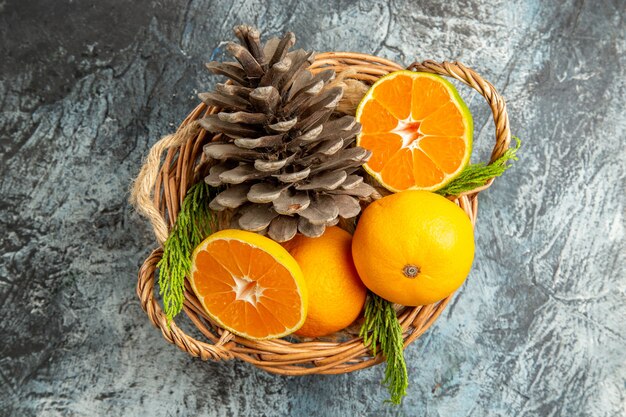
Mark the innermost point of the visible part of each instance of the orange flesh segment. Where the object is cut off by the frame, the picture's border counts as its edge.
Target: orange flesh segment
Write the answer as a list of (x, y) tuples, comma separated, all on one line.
[(239, 284), (445, 121), (231, 263), (426, 172), (426, 143), (446, 151), (399, 170), (383, 146), (396, 96), (377, 119), (427, 96)]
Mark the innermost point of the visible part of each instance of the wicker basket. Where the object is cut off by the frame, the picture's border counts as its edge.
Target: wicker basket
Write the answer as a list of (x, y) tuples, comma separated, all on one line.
[(161, 187)]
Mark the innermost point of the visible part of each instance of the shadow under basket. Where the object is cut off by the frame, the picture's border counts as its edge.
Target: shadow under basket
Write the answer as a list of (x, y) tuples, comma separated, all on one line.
[(177, 162)]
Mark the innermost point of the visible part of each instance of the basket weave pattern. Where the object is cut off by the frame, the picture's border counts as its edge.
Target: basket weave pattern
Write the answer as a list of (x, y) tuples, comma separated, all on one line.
[(176, 162)]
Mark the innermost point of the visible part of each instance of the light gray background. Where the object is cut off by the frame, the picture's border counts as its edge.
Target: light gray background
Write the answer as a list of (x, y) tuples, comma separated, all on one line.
[(87, 87)]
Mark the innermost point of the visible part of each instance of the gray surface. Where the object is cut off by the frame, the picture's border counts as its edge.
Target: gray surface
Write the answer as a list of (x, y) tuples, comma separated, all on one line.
[(87, 87)]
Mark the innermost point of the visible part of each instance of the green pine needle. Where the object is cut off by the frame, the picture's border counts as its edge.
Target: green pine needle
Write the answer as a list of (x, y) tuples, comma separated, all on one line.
[(476, 175), (194, 223), (382, 329)]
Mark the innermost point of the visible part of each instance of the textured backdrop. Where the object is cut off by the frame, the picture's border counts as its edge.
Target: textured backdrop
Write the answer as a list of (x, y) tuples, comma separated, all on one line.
[(87, 87)]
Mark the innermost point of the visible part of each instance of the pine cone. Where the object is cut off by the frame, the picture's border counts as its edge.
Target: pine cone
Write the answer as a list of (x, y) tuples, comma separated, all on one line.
[(285, 160)]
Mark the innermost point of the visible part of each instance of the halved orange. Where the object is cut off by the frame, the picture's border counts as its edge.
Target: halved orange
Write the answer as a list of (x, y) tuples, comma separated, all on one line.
[(249, 284), (418, 129)]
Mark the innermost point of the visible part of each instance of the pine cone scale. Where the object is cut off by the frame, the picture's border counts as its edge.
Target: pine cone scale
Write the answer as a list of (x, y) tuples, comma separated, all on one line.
[(290, 178), (265, 99), (327, 181), (241, 174), (242, 117), (289, 203), (262, 142), (233, 197), (309, 229), (249, 64), (321, 211), (264, 193), (283, 228), (231, 70), (257, 218), (229, 102), (223, 151)]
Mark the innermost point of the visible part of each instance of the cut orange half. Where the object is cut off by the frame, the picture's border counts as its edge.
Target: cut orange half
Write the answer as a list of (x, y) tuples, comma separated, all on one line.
[(249, 284), (418, 129)]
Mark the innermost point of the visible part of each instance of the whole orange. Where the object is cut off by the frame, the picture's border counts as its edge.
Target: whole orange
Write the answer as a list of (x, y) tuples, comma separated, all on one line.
[(336, 293), (413, 247)]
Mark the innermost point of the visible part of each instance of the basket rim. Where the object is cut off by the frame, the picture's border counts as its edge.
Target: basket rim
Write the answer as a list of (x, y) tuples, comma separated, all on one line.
[(161, 186)]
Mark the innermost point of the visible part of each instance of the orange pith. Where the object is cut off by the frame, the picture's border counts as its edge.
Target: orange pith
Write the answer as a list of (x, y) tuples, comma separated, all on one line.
[(249, 284), (418, 129)]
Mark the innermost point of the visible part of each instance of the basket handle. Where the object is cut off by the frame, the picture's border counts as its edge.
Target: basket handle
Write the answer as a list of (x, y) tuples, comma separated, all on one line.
[(143, 186), (486, 89)]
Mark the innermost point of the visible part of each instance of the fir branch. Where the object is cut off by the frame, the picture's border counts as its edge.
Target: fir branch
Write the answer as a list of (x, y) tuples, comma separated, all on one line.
[(195, 222), (382, 328), (476, 175)]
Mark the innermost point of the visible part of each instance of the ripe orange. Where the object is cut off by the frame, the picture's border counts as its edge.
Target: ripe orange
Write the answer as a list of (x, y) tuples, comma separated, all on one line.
[(413, 247), (418, 129), (336, 293), (249, 284)]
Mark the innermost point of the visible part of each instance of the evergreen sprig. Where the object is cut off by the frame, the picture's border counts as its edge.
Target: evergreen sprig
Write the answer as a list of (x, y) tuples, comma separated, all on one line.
[(476, 175), (381, 329), (194, 223)]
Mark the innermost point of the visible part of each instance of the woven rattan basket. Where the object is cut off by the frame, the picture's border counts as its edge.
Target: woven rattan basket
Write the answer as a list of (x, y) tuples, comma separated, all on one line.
[(176, 162)]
